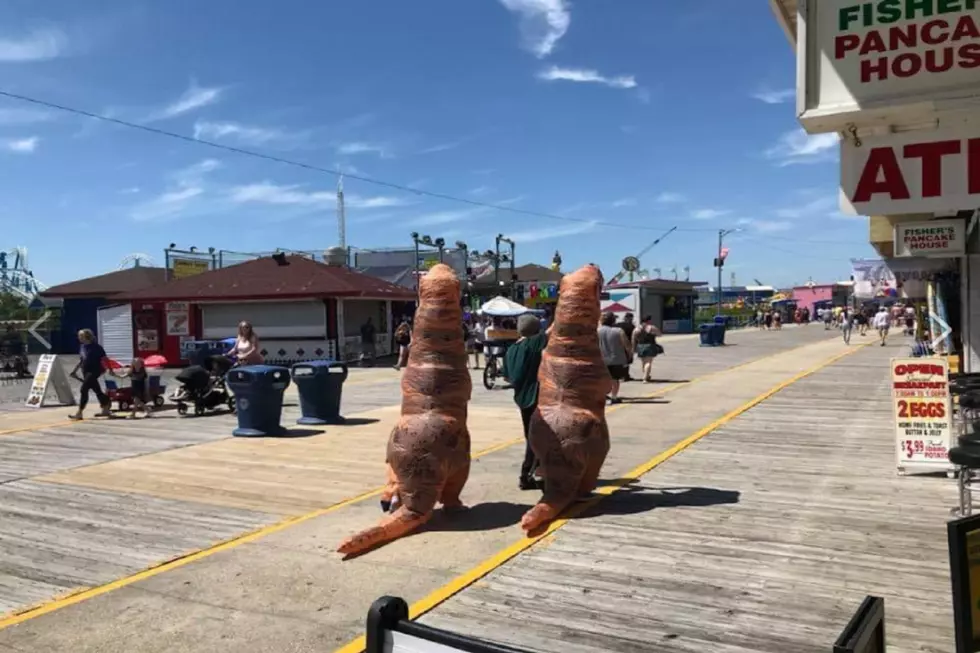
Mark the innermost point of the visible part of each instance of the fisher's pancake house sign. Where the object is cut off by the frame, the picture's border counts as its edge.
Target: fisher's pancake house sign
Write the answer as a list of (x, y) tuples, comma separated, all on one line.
[(871, 60)]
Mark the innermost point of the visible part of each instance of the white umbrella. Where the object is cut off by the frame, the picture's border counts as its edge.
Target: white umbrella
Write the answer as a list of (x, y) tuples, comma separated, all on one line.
[(503, 307)]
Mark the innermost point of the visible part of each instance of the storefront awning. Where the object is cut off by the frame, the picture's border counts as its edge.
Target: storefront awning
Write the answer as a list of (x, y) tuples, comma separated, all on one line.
[(785, 11)]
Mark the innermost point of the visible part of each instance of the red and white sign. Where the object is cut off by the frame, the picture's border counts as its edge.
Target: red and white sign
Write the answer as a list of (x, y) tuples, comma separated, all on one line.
[(912, 172), (868, 60), (922, 409)]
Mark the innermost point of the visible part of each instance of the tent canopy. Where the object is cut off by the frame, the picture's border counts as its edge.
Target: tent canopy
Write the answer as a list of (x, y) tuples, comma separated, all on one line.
[(503, 307)]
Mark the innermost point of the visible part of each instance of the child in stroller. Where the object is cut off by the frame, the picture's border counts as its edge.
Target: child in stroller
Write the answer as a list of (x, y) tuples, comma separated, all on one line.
[(204, 386)]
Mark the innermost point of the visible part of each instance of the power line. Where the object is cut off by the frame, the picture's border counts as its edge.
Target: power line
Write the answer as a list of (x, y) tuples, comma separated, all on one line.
[(329, 171), (367, 180)]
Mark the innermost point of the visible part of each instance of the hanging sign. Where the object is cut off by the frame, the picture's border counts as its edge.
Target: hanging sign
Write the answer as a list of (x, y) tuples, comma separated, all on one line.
[(49, 372), (922, 409), (863, 61), (911, 172), (931, 239)]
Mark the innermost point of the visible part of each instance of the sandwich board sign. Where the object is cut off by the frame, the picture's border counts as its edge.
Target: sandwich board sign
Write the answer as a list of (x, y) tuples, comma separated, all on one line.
[(922, 409), (50, 372)]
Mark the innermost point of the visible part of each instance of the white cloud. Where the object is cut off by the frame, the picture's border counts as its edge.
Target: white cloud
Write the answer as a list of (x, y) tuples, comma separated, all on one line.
[(195, 97), (775, 97), (586, 75), (167, 205), (192, 175), (816, 207), (39, 45), (797, 146), (480, 190), (670, 198), (766, 226), (22, 145), (377, 202), (357, 147), (447, 217), (247, 134), (269, 193), (626, 201), (708, 214), (441, 147), (130, 191), (542, 23), (293, 195), (536, 235)]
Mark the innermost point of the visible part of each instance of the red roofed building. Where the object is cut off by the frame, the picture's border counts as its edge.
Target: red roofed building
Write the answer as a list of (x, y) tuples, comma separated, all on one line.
[(300, 308)]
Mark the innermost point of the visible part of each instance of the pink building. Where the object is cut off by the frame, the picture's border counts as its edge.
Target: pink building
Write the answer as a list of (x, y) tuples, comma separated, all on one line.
[(835, 294)]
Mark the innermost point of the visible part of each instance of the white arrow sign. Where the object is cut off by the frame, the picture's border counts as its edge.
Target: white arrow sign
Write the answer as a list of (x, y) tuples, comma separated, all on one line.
[(947, 330), (33, 330)]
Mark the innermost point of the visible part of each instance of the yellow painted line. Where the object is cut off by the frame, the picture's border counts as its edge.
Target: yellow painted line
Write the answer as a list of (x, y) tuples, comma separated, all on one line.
[(84, 594), (466, 579), (38, 427), (91, 592)]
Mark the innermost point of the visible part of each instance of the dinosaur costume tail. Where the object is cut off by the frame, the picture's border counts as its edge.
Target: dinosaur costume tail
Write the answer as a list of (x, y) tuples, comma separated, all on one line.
[(399, 523)]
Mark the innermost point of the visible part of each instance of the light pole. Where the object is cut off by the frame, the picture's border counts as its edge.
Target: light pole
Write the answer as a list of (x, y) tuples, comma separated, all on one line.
[(720, 261), (496, 276), (441, 244)]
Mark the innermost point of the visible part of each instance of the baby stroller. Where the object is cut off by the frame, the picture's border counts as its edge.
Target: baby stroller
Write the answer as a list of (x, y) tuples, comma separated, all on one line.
[(204, 386)]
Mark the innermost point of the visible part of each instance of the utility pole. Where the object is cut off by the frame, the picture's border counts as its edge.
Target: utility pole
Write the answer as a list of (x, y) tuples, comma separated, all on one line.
[(720, 261), (342, 214)]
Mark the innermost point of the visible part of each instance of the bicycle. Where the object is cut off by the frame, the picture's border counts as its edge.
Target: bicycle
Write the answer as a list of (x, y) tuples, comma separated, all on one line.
[(493, 369)]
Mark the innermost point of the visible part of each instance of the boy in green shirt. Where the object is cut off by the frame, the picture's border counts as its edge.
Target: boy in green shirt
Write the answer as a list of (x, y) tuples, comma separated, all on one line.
[(521, 364)]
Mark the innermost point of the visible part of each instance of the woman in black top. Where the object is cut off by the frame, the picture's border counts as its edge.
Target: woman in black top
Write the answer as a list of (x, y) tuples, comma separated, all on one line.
[(645, 346)]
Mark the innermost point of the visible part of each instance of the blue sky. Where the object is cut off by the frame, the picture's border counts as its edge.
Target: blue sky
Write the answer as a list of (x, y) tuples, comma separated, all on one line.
[(645, 114)]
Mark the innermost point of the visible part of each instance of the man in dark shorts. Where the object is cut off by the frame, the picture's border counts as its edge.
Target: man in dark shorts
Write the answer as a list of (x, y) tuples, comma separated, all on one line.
[(367, 343), (628, 326), (615, 350)]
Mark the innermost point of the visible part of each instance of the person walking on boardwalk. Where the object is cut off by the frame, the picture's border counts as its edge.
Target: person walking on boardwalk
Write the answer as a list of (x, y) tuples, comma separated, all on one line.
[(521, 363), (246, 349), (644, 343), (882, 321), (92, 363), (403, 338), (846, 325), (615, 350), (628, 327)]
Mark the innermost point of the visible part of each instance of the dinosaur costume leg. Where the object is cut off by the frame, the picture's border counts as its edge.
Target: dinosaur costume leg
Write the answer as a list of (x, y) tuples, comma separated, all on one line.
[(397, 524), (454, 485), (599, 445)]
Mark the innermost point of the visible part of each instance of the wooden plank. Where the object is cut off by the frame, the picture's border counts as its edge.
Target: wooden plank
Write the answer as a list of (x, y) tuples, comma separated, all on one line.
[(764, 536), (55, 538), (286, 476)]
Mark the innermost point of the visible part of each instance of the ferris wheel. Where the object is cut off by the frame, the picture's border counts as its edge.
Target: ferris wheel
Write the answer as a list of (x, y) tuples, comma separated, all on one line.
[(136, 260)]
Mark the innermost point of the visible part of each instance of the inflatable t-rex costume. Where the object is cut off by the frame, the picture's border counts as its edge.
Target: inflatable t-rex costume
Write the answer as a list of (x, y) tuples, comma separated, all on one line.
[(568, 431), (429, 449)]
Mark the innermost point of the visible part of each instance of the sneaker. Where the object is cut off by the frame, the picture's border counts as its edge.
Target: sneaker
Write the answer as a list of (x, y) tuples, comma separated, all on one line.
[(529, 484), (75, 417)]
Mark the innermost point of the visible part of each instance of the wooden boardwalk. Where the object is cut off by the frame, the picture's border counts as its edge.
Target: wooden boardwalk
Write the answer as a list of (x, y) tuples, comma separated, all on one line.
[(763, 536), (87, 504)]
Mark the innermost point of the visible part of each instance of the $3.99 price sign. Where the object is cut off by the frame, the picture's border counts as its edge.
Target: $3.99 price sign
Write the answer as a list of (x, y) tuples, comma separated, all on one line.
[(921, 404)]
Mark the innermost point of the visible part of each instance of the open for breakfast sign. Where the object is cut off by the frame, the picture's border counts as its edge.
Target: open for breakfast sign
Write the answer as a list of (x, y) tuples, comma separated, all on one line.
[(923, 415)]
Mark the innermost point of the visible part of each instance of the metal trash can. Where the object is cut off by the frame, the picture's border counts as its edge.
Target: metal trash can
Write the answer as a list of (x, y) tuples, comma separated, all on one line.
[(196, 352), (320, 384), (706, 332), (258, 393)]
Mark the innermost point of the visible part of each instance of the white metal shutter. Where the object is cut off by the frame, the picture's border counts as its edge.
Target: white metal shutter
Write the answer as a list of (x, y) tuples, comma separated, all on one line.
[(269, 319), (116, 332)]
